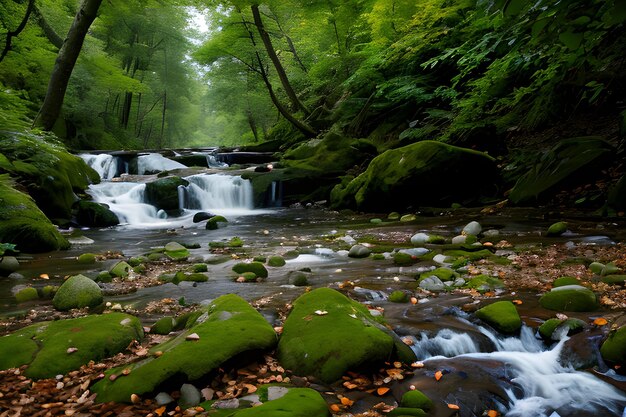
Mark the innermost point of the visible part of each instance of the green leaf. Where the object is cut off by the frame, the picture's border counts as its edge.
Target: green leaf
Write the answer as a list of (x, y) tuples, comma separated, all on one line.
[(571, 39)]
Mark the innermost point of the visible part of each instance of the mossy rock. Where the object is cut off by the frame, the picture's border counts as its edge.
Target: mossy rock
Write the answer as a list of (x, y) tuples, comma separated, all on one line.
[(444, 274), (443, 174), (376, 221), (23, 224), (235, 242), (135, 261), (26, 294), (401, 258), (327, 334), (297, 402), (563, 281), (256, 267), (249, 277), (48, 291), (8, 265), (199, 268), (398, 296), (299, 279), (139, 269), (359, 251), (214, 222), (406, 412), (416, 399), (163, 193), (613, 349), (596, 267), (484, 283), (44, 346), (47, 170), (568, 162), (176, 252), (276, 261), (77, 292), (569, 298), (502, 315), (190, 277), (87, 258), (614, 279), (408, 218), (474, 255), (91, 214), (163, 326), (104, 276), (394, 215), (228, 327), (557, 229), (156, 256), (120, 269), (547, 329)]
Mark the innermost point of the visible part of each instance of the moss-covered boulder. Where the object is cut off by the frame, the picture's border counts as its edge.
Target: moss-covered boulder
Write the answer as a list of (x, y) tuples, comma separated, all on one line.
[(484, 283), (548, 330), (568, 162), (176, 252), (53, 348), (406, 412), (501, 315), (26, 294), (163, 326), (276, 261), (91, 214), (86, 258), (443, 273), (398, 296), (77, 292), (46, 169), (23, 224), (190, 277), (120, 269), (255, 267), (442, 173), (613, 349), (563, 281), (327, 334), (416, 399), (228, 327), (163, 193), (215, 222), (297, 402), (614, 279), (556, 229), (569, 298)]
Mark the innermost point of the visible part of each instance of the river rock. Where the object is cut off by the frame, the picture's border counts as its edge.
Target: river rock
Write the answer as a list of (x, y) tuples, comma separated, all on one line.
[(214, 222), (563, 281), (23, 224), (8, 265), (398, 296), (255, 267), (613, 349), (201, 216), (502, 315), (443, 273), (443, 172), (327, 334), (227, 327), (86, 258), (189, 396), (569, 298), (91, 214), (276, 261), (472, 228), (176, 252), (555, 328), (163, 193), (120, 269), (416, 399), (614, 279), (419, 239), (432, 283), (569, 161), (163, 326), (359, 251), (163, 398), (484, 283), (26, 294), (557, 229), (77, 292), (296, 402), (44, 346), (459, 240), (406, 412)]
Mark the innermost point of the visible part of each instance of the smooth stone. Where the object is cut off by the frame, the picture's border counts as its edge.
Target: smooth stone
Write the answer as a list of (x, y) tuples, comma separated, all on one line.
[(419, 239), (16, 276), (491, 233), (77, 292), (432, 283), (557, 229), (190, 396), (441, 259), (163, 398), (415, 251), (359, 251), (9, 264), (201, 216), (459, 240), (472, 228)]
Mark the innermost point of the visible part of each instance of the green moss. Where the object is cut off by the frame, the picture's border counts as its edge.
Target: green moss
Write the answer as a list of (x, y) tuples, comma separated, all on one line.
[(135, 262), (444, 274), (569, 298), (484, 283), (502, 315), (214, 222), (199, 268), (77, 292), (44, 346), (104, 276), (398, 296), (176, 252), (120, 269), (613, 349), (394, 215), (596, 267), (23, 224), (48, 292), (297, 402), (408, 218), (314, 335), (140, 269), (91, 214), (256, 267), (26, 294), (276, 261), (87, 258), (416, 399), (163, 326), (401, 258), (471, 255), (562, 281), (227, 327), (557, 229), (614, 279), (155, 256), (191, 277), (406, 411), (300, 279), (546, 330)]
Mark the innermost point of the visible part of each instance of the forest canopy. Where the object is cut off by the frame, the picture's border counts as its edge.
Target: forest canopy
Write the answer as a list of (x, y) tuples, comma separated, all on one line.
[(393, 71)]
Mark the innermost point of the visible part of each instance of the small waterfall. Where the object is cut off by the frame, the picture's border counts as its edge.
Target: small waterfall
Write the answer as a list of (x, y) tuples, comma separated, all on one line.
[(210, 192), (107, 166), (275, 194), (126, 200), (212, 162), (445, 343), (156, 162)]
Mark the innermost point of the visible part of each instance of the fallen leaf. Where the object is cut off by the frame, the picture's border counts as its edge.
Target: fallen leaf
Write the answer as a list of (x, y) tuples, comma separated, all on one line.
[(350, 385), (382, 390), (453, 406), (438, 375), (335, 408), (72, 350), (346, 401), (600, 321), (44, 276), (193, 337), (417, 365), (517, 302)]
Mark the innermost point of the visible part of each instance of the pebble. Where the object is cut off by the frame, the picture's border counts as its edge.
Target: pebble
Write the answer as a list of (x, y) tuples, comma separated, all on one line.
[(189, 396), (193, 336), (163, 398)]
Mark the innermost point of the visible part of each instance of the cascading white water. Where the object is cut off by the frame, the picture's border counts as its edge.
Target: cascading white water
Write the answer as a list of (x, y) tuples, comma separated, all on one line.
[(156, 162), (220, 194), (104, 164), (547, 387)]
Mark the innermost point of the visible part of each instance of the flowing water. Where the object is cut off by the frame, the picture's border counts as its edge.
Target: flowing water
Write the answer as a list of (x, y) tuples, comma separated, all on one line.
[(516, 375)]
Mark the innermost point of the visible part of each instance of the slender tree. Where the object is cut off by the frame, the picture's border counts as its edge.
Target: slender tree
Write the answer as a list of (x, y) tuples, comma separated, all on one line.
[(64, 64)]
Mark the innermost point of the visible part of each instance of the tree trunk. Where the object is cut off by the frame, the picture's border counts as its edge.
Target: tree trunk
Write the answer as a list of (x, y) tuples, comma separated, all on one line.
[(11, 34), (280, 70), (68, 54), (48, 30), (252, 124)]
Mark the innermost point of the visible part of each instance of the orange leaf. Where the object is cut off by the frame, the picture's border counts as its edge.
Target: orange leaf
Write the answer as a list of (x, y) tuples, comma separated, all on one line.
[(438, 375), (159, 411), (346, 401), (517, 302), (600, 321), (453, 406), (492, 413), (382, 390), (350, 385), (335, 408)]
